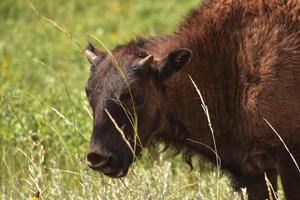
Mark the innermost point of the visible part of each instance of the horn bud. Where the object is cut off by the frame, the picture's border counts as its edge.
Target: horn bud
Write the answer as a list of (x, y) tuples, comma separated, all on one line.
[(146, 61), (92, 58)]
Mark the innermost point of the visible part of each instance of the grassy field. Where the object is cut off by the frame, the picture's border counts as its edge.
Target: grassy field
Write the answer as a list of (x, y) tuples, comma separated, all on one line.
[(45, 122)]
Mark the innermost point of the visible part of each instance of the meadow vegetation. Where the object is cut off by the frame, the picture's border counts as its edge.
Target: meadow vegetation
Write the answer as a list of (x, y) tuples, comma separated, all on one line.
[(45, 118)]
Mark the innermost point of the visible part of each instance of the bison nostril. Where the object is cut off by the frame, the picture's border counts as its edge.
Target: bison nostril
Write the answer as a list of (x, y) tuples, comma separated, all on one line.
[(95, 160)]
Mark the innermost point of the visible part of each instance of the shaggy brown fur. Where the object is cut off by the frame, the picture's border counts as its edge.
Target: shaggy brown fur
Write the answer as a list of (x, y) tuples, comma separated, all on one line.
[(245, 61)]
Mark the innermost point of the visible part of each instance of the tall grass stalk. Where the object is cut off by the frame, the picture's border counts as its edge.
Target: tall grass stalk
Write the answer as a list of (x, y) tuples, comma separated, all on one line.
[(53, 23), (285, 146), (270, 188), (205, 109)]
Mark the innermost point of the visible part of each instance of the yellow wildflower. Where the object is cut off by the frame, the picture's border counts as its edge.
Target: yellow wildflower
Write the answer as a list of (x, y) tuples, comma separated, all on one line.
[(36, 196)]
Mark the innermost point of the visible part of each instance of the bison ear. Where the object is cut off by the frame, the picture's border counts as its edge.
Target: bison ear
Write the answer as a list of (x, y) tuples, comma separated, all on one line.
[(173, 62), (94, 55)]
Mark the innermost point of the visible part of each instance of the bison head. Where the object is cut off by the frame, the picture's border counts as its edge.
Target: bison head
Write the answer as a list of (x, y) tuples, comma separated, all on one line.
[(125, 92)]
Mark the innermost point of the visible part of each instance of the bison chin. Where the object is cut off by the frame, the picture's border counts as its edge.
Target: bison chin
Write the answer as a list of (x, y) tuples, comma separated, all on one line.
[(117, 173)]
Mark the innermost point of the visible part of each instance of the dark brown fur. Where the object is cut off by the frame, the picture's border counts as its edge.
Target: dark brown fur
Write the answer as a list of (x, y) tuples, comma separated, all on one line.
[(245, 62)]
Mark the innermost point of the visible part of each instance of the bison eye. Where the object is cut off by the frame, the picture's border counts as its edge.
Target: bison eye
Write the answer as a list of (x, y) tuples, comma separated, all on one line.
[(139, 101)]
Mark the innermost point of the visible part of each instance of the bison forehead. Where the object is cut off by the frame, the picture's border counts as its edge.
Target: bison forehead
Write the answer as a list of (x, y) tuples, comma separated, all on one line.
[(110, 84), (114, 66), (117, 72)]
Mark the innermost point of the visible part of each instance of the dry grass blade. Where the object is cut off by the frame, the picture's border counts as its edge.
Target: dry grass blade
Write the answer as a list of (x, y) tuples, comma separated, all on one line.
[(115, 62), (127, 188), (205, 109), (87, 110), (120, 131), (56, 132), (285, 146), (270, 188), (205, 145), (28, 158), (34, 165), (181, 189), (61, 116), (52, 22), (11, 109), (64, 171), (69, 123)]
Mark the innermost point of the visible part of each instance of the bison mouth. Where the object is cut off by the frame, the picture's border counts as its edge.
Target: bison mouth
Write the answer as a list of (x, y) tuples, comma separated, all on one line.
[(111, 170), (113, 173)]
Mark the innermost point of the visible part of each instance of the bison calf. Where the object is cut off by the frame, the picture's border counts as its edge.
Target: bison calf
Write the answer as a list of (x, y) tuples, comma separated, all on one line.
[(244, 56)]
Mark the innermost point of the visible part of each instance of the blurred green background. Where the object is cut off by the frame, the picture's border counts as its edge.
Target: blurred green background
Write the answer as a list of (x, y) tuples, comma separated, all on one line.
[(45, 122)]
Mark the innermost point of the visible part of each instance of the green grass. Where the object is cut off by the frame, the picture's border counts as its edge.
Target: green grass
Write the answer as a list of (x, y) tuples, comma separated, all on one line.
[(45, 123)]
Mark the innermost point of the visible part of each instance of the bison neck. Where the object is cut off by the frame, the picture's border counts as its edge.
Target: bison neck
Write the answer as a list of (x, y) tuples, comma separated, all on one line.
[(215, 71), (188, 124)]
